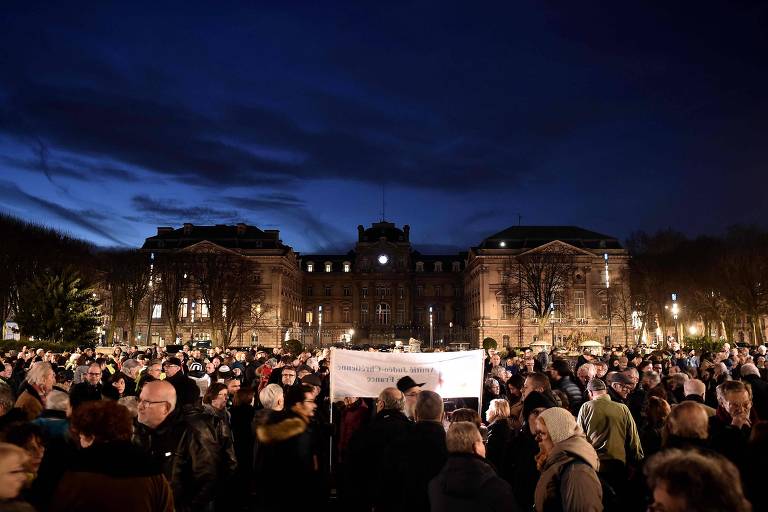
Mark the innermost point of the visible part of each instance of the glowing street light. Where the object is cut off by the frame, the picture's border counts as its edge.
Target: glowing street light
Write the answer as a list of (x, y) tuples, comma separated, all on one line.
[(431, 331)]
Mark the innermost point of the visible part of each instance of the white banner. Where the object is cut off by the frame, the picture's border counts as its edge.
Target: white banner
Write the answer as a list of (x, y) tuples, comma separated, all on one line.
[(364, 374)]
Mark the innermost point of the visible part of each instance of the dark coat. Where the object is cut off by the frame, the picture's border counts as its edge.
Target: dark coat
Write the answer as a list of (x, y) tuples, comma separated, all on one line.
[(572, 391), (118, 474), (467, 482), (187, 392), (286, 459), (187, 451), (759, 395), (413, 460), (352, 419), (727, 440), (519, 466), (84, 392), (30, 402), (366, 454), (499, 434)]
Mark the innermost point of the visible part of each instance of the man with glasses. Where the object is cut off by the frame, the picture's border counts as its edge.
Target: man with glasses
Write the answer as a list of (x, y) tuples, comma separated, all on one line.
[(731, 426), (183, 445), (90, 389), (288, 378), (612, 431)]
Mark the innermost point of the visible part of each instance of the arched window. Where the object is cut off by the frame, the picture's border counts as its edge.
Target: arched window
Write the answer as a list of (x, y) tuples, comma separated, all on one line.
[(382, 314)]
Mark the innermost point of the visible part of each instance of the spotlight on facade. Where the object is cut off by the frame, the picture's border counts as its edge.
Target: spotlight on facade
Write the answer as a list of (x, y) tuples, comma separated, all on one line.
[(502, 244), (692, 330)]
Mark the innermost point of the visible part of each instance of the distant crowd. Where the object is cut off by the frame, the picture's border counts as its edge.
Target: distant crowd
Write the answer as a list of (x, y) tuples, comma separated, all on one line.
[(249, 429)]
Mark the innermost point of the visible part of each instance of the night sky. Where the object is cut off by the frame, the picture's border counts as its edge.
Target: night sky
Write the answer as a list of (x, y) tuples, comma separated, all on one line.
[(614, 116)]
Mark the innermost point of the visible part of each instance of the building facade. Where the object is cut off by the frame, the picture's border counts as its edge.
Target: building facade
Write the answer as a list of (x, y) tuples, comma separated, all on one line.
[(383, 290)]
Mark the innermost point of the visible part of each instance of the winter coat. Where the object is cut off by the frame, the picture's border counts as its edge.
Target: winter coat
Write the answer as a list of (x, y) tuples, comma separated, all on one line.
[(727, 440), (568, 480), (118, 474), (286, 457), (222, 426), (188, 453), (499, 433), (414, 460), (468, 483), (519, 466), (30, 402), (353, 418), (759, 395), (572, 391), (366, 481), (187, 392)]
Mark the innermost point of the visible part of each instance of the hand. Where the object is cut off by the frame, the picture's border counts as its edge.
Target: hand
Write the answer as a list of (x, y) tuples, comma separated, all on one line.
[(741, 419)]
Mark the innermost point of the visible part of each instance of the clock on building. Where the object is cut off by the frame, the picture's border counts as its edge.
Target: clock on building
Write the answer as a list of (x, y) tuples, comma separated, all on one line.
[(383, 259)]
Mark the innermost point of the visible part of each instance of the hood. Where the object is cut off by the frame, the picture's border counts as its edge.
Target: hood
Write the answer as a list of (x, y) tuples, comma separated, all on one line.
[(574, 447), (280, 428), (464, 475)]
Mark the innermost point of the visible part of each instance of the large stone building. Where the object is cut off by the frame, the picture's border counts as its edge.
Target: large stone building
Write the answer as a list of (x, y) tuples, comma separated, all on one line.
[(383, 290)]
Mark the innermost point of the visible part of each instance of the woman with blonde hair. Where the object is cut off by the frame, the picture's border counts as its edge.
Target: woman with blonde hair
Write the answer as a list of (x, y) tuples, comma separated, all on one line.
[(499, 430), (13, 476)]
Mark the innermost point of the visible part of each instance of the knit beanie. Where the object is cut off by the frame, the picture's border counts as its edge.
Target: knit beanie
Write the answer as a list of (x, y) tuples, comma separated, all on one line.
[(534, 400), (560, 423)]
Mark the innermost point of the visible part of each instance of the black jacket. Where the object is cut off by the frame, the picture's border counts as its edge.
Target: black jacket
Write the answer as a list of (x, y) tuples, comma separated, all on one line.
[(366, 455), (187, 392), (572, 391), (187, 450), (759, 395), (414, 459), (84, 392), (499, 434), (468, 482)]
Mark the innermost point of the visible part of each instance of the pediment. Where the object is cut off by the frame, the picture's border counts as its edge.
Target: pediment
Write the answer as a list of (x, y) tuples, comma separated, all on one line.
[(207, 246), (559, 246)]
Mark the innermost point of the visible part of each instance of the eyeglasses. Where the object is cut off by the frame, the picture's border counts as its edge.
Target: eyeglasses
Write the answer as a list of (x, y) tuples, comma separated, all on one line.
[(147, 403), (94, 374)]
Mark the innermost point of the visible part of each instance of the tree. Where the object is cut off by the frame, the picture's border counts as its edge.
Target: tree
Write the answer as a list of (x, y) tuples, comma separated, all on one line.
[(171, 278), (544, 276), (622, 305), (131, 282), (230, 285), (58, 307)]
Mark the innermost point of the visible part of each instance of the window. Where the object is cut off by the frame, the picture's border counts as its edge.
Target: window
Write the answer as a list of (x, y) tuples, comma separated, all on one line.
[(309, 291), (203, 309), (382, 314), (347, 266), (364, 313), (254, 338), (328, 266), (157, 311), (379, 291), (401, 293), (310, 267), (400, 320), (456, 266), (183, 307), (579, 306), (420, 290), (420, 316), (327, 291), (328, 313), (559, 307), (308, 316), (438, 266), (604, 307), (507, 311), (347, 291), (347, 315), (419, 266), (438, 291), (456, 291), (364, 292)]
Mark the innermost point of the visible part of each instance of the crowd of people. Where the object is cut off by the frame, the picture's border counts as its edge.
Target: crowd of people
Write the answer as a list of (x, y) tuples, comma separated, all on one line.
[(249, 429)]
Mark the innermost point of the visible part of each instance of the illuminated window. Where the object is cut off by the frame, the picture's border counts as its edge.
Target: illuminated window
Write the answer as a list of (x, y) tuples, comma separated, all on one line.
[(347, 266), (579, 306), (310, 267), (382, 314), (364, 313), (438, 266), (183, 308), (203, 309), (157, 311), (327, 266), (456, 266)]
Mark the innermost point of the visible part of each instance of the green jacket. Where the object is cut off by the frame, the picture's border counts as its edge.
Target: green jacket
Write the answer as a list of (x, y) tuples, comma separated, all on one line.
[(611, 430)]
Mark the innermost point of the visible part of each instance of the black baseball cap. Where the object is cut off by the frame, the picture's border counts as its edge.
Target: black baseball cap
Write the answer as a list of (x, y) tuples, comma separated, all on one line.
[(407, 383)]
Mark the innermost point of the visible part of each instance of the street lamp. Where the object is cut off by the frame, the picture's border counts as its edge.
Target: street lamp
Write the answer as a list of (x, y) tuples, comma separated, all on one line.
[(552, 321), (351, 333), (608, 298), (319, 325), (430, 327), (675, 312)]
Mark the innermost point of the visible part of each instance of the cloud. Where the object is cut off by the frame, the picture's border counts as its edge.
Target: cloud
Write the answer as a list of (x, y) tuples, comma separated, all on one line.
[(10, 193), (169, 210)]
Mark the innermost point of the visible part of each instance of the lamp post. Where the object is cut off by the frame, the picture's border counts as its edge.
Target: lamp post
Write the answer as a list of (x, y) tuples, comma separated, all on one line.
[(552, 321), (675, 312), (608, 298), (319, 326), (351, 333), (450, 332), (431, 332)]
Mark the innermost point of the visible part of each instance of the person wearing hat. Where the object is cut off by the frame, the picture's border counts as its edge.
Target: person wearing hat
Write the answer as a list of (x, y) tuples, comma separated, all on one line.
[(612, 431), (568, 478), (620, 385), (410, 389), (187, 392)]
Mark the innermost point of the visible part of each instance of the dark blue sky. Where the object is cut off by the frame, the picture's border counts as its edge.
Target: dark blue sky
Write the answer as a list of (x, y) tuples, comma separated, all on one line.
[(614, 116)]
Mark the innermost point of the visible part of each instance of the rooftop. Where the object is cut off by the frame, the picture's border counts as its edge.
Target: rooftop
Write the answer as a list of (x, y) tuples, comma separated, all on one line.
[(529, 237)]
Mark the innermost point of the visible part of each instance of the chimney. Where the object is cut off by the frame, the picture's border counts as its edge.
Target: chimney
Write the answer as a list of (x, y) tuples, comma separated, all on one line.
[(406, 231), (360, 231), (241, 227), (187, 228)]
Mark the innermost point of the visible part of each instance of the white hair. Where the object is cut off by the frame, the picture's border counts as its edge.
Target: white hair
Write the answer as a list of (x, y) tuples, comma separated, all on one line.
[(57, 401), (270, 395), (39, 372)]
